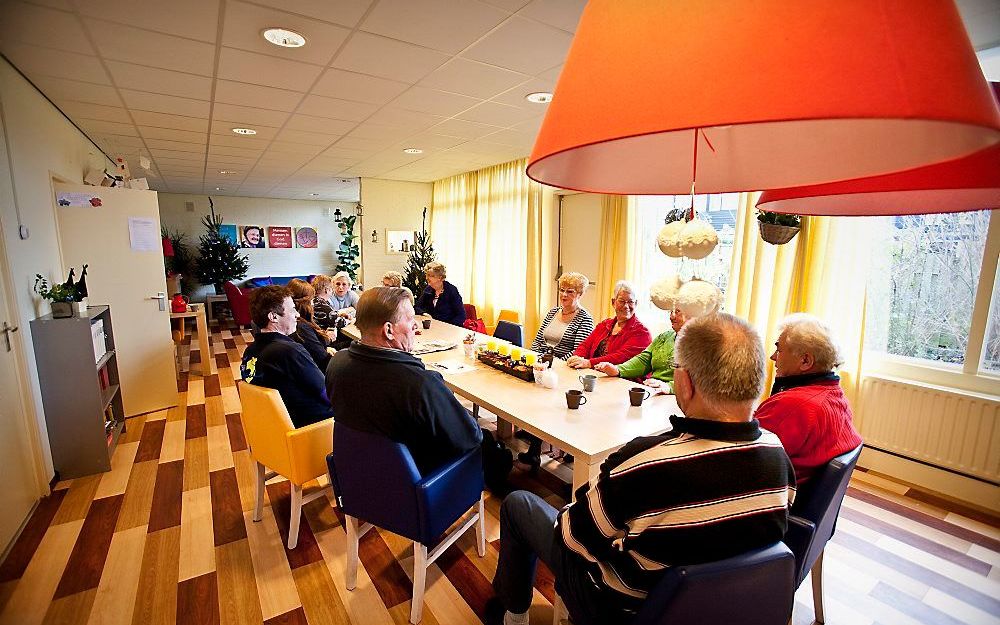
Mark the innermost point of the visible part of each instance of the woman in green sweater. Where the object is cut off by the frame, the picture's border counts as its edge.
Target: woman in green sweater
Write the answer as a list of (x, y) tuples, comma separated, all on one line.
[(656, 361)]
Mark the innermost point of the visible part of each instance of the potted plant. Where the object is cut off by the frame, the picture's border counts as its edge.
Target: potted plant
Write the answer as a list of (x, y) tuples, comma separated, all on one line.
[(778, 228), (60, 296), (348, 252)]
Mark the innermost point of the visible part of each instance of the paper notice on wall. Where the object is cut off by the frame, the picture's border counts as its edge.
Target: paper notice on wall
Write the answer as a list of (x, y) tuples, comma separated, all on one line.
[(144, 234)]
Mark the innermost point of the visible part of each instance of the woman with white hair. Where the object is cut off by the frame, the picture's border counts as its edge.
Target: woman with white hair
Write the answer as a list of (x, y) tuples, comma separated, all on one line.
[(616, 339), (343, 299), (440, 299), (392, 278), (569, 323)]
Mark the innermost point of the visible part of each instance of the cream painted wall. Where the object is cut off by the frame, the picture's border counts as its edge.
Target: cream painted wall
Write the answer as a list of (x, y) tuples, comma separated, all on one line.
[(389, 205), (39, 144), (580, 226), (263, 212)]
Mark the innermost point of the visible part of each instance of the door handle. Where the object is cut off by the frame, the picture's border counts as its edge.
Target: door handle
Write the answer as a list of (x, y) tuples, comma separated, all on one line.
[(163, 299), (7, 330)]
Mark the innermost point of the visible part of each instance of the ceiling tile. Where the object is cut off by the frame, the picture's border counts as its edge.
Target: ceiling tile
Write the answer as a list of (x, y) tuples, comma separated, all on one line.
[(508, 5), (506, 47), (319, 124), (551, 74), (171, 134), (93, 126), (239, 141), (369, 130), (187, 157), (499, 114), (446, 25), (124, 43), (32, 24), (245, 23), (428, 142), (464, 129), (562, 14), (343, 12), (516, 138), (159, 103), (308, 138), (336, 109), (388, 58), (366, 144), (338, 83), (155, 80), (260, 69), (119, 141), (163, 120), (65, 89), (231, 92), (433, 101), (248, 116), (84, 110), (414, 120), (472, 78), (37, 61), (219, 150), (179, 146), (339, 151), (296, 149), (194, 19)]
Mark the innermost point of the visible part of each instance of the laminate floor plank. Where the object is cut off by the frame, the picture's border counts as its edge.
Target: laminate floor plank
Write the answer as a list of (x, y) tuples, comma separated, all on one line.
[(114, 601), (31, 597), (197, 541), (156, 598), (275, 584), (151, 440), (138, 500), (239, 603), (31, 536), (113, 482)]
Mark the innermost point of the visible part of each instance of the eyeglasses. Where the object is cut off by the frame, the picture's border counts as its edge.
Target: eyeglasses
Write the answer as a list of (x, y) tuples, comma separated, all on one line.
[(677, 365), (567, 291), (626, 302)]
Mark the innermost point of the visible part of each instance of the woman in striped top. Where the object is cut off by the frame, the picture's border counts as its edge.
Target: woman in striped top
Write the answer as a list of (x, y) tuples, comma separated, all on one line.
[(569, 323)]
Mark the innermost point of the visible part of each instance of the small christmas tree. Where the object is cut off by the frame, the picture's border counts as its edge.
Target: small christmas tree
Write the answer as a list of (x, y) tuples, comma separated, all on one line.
[(421, 253), (219, 259)]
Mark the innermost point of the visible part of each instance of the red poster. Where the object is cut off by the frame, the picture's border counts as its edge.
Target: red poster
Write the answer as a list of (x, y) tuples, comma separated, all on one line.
[(279, 236)]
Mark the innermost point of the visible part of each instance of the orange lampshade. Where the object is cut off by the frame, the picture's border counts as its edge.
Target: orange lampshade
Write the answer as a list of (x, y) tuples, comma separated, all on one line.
[(963, 184), (787, 93)]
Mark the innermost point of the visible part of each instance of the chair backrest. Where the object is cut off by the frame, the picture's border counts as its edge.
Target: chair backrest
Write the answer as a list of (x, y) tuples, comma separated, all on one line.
[(818, 501), (754, 588), (265, 424), (375, 480), (509, 315), (510, 332), (239, 303), (470, 311)]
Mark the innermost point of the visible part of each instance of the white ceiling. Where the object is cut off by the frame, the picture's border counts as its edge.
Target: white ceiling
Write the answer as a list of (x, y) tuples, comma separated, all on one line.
[(170, 79)]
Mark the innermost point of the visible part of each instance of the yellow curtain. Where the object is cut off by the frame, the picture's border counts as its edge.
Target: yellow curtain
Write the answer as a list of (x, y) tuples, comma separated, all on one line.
[(822, 271), (486, 228), (613, 259)]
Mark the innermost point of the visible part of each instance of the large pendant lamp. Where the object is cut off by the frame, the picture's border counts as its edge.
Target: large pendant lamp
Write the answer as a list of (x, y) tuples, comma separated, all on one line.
[(788, 93), (963, 184)]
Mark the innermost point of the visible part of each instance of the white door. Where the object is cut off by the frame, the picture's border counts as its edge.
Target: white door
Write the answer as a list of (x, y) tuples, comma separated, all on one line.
[(129, 281), (20, 492), (580, 242)]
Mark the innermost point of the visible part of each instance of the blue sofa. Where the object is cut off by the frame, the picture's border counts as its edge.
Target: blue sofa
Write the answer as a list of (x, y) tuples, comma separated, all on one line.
[(259, 281)]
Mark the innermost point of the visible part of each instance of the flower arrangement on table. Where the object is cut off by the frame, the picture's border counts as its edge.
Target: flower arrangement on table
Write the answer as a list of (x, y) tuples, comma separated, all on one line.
[(510, 359)]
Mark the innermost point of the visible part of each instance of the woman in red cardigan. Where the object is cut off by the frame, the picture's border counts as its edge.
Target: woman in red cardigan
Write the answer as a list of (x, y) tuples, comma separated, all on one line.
[(617, 339)]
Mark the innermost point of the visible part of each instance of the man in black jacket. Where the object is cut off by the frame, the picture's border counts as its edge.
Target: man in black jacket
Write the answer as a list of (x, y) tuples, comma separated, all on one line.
[(377, 386), (277, 361)]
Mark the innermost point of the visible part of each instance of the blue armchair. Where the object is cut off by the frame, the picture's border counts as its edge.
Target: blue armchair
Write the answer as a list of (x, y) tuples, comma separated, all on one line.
[(377, 483), (755, 588), (814, 519)]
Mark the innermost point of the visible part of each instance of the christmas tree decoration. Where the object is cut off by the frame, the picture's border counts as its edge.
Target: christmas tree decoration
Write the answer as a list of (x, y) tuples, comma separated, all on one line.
[(664, 292), (668, 238), (421, 253), (698, 297), (219, 259), (697, 239), (348, 251)]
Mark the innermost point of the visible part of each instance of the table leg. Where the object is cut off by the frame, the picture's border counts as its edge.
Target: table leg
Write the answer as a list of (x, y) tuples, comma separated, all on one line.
[(504, 429), (208, 311), (583, 471), (207, 357)]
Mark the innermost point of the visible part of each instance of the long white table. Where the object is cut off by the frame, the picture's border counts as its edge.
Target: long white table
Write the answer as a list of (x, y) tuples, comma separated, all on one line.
[(606, 422)]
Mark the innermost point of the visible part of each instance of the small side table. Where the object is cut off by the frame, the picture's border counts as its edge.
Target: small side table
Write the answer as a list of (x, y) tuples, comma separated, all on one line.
[(210, 301), (207, 367)]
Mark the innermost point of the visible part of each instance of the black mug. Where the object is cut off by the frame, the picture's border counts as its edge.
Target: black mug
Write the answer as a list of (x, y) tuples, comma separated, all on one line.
[(637, 394), (427, 324), (574, 399)]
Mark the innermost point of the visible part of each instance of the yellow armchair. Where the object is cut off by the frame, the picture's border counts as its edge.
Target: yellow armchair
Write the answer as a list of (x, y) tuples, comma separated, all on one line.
[(279, 448)]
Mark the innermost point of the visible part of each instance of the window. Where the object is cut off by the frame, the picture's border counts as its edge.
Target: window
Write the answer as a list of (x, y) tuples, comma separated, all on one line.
[(922, 287), (652, 265), (991, 348)]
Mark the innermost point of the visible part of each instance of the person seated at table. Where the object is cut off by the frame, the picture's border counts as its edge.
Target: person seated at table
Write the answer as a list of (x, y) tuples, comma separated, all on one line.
[(276, 361), (392, 278), (654, 365), (440, 299), (807, 408), (715, 486), (323, 313), (617, 339), (343, 299), (377, 386), (314, 338), (569, 323)]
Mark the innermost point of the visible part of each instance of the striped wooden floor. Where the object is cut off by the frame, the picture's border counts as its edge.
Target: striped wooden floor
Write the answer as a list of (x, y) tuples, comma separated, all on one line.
[(166, 537)]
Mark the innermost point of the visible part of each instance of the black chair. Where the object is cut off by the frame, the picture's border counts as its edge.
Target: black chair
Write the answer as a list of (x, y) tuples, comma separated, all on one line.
[(513, 333), (813, 521), (378, 484), (755, 588)]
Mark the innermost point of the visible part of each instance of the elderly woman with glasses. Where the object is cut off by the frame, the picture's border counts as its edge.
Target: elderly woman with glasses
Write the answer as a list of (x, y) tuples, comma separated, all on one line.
[(617, 339), (569, 323), (656, 362)]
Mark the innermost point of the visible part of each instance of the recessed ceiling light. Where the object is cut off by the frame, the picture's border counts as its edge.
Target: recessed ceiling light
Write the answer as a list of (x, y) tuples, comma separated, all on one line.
[(227, 171), (314, 194), (284, 37), (219, 189), (413, 151), (244, 131), (539, 97)]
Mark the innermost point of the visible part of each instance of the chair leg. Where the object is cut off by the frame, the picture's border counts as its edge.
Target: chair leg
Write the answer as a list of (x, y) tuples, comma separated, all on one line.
[(296, 516), (352, 552), (817, 584), (475, 411), (481, 530), (258, 509), (419, 581)]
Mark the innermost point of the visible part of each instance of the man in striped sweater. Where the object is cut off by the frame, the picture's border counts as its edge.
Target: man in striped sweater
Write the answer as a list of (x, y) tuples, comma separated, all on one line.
[(715, 486)]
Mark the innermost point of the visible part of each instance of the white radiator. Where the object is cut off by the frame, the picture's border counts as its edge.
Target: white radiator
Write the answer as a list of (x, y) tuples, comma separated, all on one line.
[(947, 428)]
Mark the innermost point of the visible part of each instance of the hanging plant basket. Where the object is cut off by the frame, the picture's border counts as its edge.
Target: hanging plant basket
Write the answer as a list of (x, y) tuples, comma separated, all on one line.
[(777, 234)]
